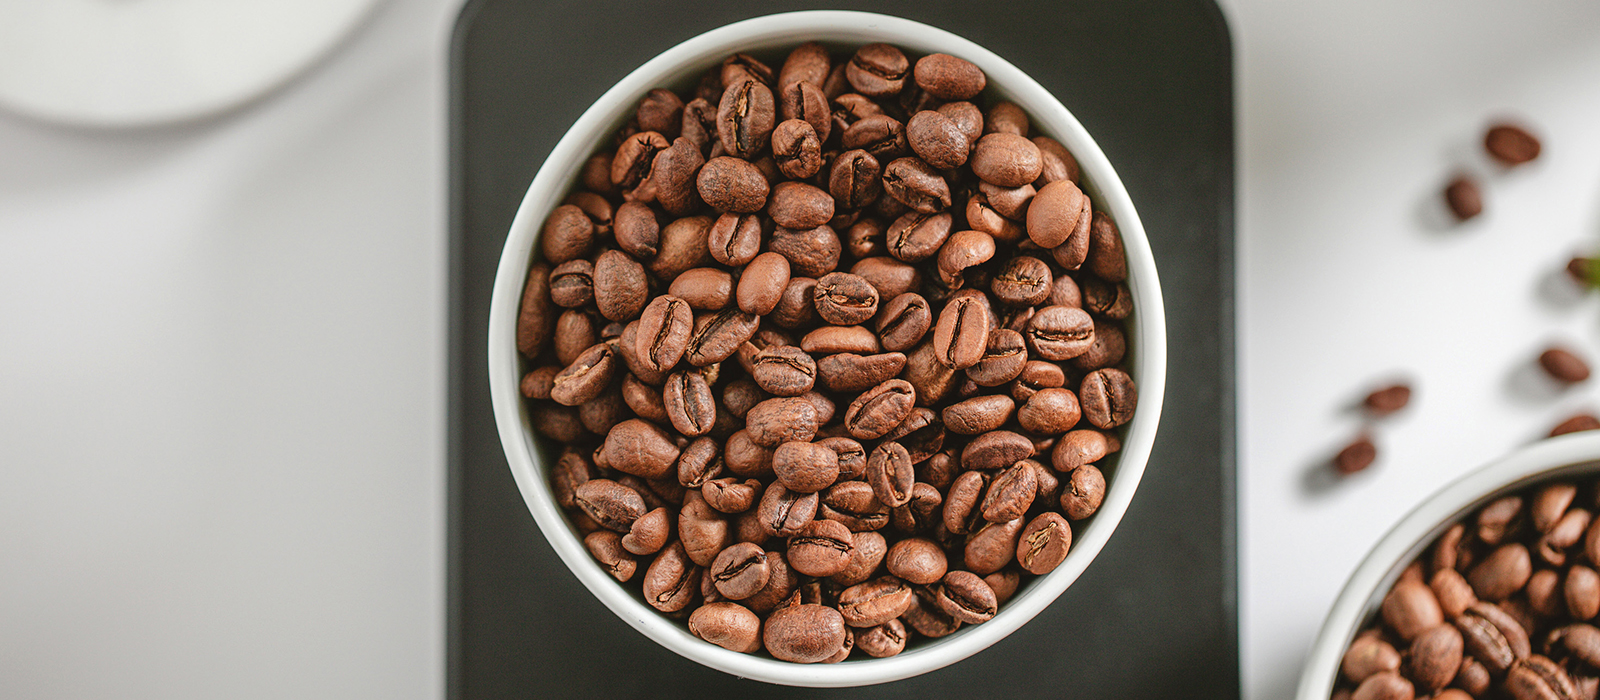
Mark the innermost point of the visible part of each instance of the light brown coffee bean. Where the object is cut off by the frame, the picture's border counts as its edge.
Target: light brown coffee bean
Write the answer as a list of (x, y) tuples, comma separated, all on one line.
[(804, 633), (1044, 543), (948, 78), (727, 625), (978, 415), (784, 512), (1083, 492), (854, 504), (1511, 144), (937, 140), (640, 448), (996, 450), (567, 235), (1582, 592), (779, 420), (875, 602), (855, 181), (1057, 162), (811, 252), (1010, 494), (796, 146), (867, 550), (877, 69), (878, 410), (1060, 332), (1453, 592), (1058, 210), (962, 333), (1004, 357), (572, 283), (605, 546), (649, 532), (671, 581), (1488, 634), (732, 185), (664, 332), (1502, 573), (1435, 657), (1384, 686), (916, 560), (844, 299), (619, 286), (805, 467), (1563, 365), (821, 548), (828, 340), (1007, 160), (740, 571), (883, 641), (891, 474), (992, 547)]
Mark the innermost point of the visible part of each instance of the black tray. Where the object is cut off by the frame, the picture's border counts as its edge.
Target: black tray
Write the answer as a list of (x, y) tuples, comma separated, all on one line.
[(1154, 615)]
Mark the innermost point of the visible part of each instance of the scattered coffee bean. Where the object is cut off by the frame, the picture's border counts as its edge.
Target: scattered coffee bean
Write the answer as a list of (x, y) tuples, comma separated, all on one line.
[(1356, 456), (1562, 365), (1577, 423), (1387, 400), (1464, 198), (1511, 144), (806, 379)]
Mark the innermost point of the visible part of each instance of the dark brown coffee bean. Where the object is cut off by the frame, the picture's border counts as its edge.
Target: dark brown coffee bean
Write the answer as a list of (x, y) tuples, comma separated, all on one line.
[(672, 580), (703, 288), (727, 625), (852, 457), (851, 372), (663, 333), (904, 321), (571, 471), (673, 176), (804, 633), (586, 377), (1488, 633), (1108, 397), (1004, 357), (691, 407), (734, 239), (729, 495), (921, 433), (1024, 281), (1010, 202), (948, 78), (1410, 609), (732, 185), (1058, 163), (967, 117), (1060, 332), (937, 139), (828, 340), (821, 548), (783, 512), (640, 448), (922, 513), (779, 420), (620, 291), (811, 252), (891, 474), (805, 467), (1369, 655), (1550, 503), (917, 185), (878, 410), (1044, 543), (916, 560), (1010, 494), (875, 602), (867, 550), (1055, 215), (877, 70), (557, 422), (1464, 197), (1107, 257), (795, 308), (1580, 641), (965, 597), (865, 238), (1050, 412), (917, 236), (596, 174), (1356, 456), (979, 414), (1563, 365), (1036, 376), (808, 62), (1435, 657), (996, 450), (797, 149), (1007, 160), (1083, 492), (740, 571), (854, 504), (1577, 423), (635, 157), (797, 205), (575, 333), (702, 531), (605, 546), (1538, 678), (660, 111), (1384, 686), (784, 371), (929, 621), (1502, 573), (716, 336), (855, 180), (745, 118), (1511, 144), (1081, 447), (881, 135), (605, 411), (1543, 591), (572, 283), (962, 333), (992, 547), (536, 317), (699, 462), (637, 230), (844, 299), (964, 249), (649, 532), (1005, 118), (612, 505), (1106, 350)]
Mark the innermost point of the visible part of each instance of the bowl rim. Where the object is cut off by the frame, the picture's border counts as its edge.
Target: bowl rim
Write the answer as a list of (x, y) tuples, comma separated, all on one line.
[(1146, 334), (1363, 592)]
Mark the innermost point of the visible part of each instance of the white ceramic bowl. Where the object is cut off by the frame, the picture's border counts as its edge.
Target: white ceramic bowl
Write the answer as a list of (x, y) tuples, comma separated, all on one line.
[(678, 67), (1357, 604)]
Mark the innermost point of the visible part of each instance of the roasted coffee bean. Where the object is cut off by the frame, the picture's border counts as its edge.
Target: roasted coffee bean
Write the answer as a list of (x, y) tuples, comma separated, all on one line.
[(740, 571), (1055, 217), (798, 205), (963, 250), (702, 531), (716, 336), (1044, 543), (1060, 332), (575, 333), (1454, 593), (948, 78), (852, 457), (1356, 456), (727, 625), (864, 238), (821, 548), (784, 371), (1010, 494), (784, 512), (916, 560), (992, 547), (875, 602), (640, 448), (807, 102), (586, 377), (889, 276), (1538, 678), (605, 411), (978, 415), (745, 118), (1563, 365), (703, 288), (1010, 202), (1024, 281), (1435, 657), (690, 405), (891, 474), (571, 471), (649, 533), (878, 410), (557, 422), (795, 308), (1108, 397), (1369, 655), (734, 239), (929, 621), (922, 513), (921, 433), (1488, 634), (867, 550), (1080, 447), (852, 372), (1058, 163), (904, 322), (1577, 423), (967, 117), (634, 159), (1550, 503), (673, 176), (962, 333), (883, 641), (1050, 412), (732, 185), (805, 467), (844, 299), (917, 185), (699, 462), (1003, 359), (828, 340), (854, 504), (855, 180), (781, 585), (1552, 546), (1083, 492), (1387, 400), (1007, 160), (606, 547), (1005, 118), (779, 420), (1036, 376), (660, 111), (965, 597), (996, 450), (877, 69), (729, 495), (797, 149), (881, 135), (620, 291), (1502, 573), (1580, 641), (1464, 197), (1384, 686), (1106, 350), (1582, 592), (1511, 144), (672, 579), (572, 283), (664, 332), (811, 252), (961, 506), (937, 140), (1107, 257), (537, 384), (804, 633), (611, 504)]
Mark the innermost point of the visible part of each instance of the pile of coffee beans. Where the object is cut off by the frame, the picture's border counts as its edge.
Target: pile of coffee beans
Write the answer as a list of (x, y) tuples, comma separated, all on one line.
[(1502, 605), (835, 352)]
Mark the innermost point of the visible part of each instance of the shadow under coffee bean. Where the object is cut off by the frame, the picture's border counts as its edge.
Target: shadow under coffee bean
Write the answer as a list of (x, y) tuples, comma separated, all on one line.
[(836, 350)]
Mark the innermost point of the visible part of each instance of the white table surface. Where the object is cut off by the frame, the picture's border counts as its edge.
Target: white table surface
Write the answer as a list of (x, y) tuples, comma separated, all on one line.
[(223, 343)]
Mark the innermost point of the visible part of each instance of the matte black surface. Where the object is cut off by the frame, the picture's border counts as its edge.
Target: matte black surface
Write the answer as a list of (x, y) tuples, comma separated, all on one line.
[(1154, 615)]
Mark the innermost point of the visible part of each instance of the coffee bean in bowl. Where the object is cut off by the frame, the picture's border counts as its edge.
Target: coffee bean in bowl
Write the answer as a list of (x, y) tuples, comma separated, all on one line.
[(790, 370), (1488, 589)]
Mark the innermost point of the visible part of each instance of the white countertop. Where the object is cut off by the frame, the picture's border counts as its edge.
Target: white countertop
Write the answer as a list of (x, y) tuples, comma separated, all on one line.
[(223, 443)]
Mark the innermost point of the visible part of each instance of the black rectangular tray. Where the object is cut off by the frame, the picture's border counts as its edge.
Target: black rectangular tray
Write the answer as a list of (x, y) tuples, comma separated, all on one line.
[(1153, 616)]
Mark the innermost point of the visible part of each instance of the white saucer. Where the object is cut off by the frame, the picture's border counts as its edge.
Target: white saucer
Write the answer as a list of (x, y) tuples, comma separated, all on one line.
[(119, 63)]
